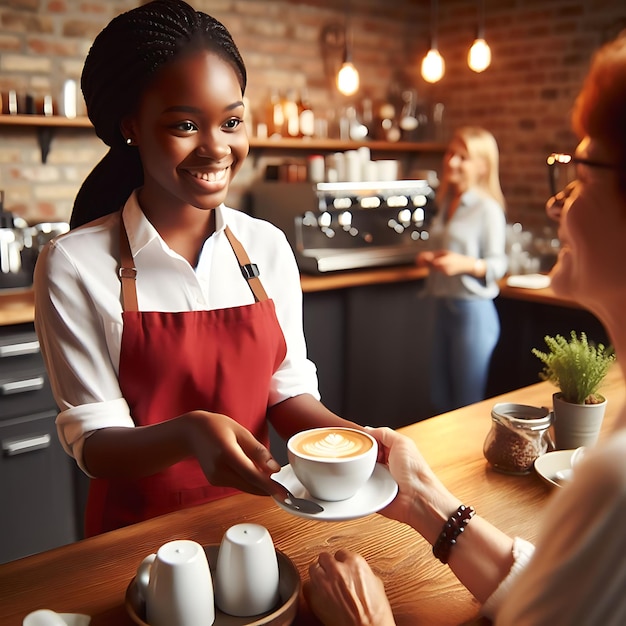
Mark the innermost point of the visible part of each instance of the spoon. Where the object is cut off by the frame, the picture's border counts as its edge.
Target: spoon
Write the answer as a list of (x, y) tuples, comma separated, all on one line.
[(303, 505)]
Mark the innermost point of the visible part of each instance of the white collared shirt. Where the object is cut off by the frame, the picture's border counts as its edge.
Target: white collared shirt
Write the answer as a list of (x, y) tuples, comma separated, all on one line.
[(477, 229), (78, 312)]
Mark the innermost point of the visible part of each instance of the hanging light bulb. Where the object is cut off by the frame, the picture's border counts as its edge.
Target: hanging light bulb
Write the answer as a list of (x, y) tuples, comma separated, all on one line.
[(348, 79), (348, 75), (433, 65), (479, 55)]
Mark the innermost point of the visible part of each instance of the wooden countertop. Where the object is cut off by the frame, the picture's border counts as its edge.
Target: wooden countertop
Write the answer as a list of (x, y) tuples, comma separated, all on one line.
[(91, 576), (17, 305), (358, 278)]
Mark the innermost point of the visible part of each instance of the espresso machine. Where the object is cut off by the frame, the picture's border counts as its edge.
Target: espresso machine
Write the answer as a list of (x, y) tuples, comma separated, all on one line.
[(348, 225)]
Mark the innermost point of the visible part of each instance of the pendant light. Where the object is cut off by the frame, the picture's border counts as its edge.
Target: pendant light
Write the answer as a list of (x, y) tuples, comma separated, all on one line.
[(433, 65), (479, 55), (348, 75)]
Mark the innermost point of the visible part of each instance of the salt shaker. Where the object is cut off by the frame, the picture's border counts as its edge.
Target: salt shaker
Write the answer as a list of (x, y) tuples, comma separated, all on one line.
[(519, 434)]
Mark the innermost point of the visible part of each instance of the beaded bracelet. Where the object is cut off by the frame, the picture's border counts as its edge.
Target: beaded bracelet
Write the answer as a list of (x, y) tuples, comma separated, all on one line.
[(451, 530)]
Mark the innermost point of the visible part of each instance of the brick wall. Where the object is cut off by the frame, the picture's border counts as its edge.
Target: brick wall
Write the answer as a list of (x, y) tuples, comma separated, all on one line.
[(541, 50)]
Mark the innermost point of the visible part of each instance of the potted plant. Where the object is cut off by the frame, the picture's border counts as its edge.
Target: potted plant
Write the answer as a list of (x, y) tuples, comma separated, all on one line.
[(577, 367)]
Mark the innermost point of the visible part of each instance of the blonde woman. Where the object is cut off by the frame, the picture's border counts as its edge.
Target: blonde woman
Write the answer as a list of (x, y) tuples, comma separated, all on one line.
[(466, 259)]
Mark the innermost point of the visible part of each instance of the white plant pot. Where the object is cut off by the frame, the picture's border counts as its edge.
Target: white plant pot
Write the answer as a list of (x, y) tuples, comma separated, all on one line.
[(576, 425)]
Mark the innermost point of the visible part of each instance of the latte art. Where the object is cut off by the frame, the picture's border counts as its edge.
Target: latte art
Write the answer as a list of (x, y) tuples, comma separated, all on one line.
[(333, 444)]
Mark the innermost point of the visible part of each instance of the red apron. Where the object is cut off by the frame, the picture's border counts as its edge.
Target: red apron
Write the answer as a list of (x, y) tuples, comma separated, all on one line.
[(171, 363)]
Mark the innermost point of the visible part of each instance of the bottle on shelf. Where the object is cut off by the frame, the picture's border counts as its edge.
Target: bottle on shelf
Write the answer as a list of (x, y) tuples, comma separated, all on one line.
[(306, 117), (275, 115), (387, 127), (291, 127)]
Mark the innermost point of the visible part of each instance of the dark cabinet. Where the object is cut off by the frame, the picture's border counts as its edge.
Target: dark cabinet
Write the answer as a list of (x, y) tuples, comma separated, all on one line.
[(370, 346), (36, 476), (524, 325)]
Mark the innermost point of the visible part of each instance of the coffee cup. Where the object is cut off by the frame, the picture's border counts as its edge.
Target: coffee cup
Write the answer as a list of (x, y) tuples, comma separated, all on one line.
[(332, 463), (246, 574), (176, 585)]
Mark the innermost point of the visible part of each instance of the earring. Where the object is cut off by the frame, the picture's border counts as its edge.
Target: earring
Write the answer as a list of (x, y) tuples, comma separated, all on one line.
[(129, 141)]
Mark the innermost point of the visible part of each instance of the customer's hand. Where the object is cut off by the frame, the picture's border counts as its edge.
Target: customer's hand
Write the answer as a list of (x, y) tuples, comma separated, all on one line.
[(344, 591), (420, 493)]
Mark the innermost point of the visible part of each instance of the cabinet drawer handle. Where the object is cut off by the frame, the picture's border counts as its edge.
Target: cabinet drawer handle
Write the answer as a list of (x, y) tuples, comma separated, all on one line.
[(18, 349), (20, 446), (21, 386)]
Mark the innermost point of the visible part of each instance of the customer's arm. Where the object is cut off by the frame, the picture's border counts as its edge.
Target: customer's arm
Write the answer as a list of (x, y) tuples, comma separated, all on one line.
[(344, 590), (482, 556)]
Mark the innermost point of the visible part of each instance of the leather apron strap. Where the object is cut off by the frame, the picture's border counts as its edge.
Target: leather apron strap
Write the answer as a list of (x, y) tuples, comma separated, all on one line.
[(249, 270), (128, 272)]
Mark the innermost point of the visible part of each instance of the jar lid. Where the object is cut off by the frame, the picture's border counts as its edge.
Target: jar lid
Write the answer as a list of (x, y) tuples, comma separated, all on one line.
[(523, 415)]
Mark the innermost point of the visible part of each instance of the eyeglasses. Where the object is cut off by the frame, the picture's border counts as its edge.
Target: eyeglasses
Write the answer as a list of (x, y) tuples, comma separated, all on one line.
[(562, 169)]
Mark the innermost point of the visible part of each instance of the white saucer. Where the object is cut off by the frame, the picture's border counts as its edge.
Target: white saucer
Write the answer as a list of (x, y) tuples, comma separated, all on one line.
[(376, 494), (547, 466)]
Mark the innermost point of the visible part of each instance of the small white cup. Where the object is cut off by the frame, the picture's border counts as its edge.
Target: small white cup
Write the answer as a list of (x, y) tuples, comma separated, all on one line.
[(176, 585), (332, 463), (387, 169), (246, 575)]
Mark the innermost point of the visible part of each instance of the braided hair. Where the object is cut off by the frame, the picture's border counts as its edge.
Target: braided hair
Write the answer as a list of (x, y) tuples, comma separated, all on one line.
[(122, 62)]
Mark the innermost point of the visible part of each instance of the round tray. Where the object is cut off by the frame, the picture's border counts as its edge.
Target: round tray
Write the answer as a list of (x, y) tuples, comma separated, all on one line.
[(288, 587)]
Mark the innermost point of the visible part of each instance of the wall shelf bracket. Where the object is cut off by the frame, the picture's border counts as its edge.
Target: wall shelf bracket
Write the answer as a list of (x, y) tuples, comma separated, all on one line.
[(44, 139)]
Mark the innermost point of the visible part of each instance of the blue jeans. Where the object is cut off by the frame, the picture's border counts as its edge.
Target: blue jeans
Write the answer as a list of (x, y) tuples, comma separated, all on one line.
[(465, 333)]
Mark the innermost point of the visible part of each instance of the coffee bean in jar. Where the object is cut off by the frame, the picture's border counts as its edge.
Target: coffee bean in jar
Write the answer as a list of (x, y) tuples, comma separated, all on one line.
[(519, 434)]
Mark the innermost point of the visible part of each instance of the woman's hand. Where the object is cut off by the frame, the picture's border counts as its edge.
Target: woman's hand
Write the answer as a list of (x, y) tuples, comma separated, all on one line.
[(452, 263), (344, 591), (424, 259), (423, 502), (230, 456)]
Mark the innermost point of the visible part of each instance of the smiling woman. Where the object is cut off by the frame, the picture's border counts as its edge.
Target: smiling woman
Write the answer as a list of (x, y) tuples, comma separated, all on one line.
[(171, 325), (188, 128)]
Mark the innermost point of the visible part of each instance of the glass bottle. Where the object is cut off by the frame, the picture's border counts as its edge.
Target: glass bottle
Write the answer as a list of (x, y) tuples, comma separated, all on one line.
[(306, 115), (519, 435), (275, 116), (291, 127)]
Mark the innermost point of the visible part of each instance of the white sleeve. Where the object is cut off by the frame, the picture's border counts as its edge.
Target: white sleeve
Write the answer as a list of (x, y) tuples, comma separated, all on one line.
[(297, 374), (577, 574), (70, 332), (522, 551)]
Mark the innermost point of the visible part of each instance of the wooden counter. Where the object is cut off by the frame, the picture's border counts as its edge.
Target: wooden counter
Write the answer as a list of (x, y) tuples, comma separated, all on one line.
[(359, 278), (16, 305), (91, 576)]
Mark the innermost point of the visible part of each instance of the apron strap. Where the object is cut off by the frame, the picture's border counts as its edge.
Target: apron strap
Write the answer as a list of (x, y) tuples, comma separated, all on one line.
[(249, 270), (127, 272)]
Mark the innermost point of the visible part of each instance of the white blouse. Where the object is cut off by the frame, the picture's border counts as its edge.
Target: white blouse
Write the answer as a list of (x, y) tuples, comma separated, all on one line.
[(78, 313)]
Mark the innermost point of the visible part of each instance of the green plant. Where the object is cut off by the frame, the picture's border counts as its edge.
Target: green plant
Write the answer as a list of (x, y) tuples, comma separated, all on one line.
[(575, 366)]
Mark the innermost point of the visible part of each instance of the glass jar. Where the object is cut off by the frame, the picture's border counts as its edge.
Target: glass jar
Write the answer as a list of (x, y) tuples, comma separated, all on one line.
[(519, 434)]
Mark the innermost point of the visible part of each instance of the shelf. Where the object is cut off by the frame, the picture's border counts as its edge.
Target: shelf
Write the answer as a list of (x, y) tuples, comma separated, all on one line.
[(54, 121), (45, 126), (331, 145)]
